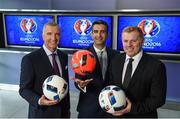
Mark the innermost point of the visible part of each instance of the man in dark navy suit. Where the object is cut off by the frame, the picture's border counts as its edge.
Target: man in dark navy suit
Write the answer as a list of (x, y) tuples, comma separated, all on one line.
[(91, 85), (36, 67), (142, 77)]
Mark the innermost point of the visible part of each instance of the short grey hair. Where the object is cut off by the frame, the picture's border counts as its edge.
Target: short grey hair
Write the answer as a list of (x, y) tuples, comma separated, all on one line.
[(50, 24)]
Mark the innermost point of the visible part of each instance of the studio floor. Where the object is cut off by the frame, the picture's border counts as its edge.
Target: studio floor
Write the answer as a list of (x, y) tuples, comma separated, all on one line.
[(13, 106)]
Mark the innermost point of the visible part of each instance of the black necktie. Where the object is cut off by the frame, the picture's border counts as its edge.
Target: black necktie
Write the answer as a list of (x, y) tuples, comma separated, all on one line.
[(128, 73), (55, 65)]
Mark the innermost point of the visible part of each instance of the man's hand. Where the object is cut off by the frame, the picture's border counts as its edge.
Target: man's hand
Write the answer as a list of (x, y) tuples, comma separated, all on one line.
[(125, 110), (82, 83), (44, 101)]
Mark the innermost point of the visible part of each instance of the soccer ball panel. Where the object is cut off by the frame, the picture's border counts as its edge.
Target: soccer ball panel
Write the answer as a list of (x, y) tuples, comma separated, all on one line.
[(55, 88), (83, 62), (112, 99)]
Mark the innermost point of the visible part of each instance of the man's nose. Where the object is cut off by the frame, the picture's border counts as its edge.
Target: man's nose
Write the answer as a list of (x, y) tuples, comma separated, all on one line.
[(53, 36), (129, 43)]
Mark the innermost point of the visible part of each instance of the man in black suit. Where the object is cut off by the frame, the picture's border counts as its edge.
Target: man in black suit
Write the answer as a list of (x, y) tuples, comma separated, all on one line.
[(91, 85), (146, 87), (35, 68)]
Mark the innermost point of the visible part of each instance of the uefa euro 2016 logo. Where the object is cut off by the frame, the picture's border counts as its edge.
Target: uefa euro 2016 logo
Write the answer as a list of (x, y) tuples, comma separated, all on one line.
[(28, 25), (149, 27), (83, 26)]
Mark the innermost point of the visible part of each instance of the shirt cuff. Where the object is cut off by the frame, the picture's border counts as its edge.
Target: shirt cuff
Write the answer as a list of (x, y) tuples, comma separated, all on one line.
[(39, 102)]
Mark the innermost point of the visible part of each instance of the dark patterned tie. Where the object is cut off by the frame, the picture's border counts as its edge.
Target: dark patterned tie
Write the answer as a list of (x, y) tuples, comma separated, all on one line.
[(128, 73), (101, 59), (55, 65), (100, 56)]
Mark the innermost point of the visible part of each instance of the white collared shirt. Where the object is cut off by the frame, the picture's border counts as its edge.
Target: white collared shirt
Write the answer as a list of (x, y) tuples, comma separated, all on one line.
[(98, 50), (134, 63), (104, 57), (49, 54)]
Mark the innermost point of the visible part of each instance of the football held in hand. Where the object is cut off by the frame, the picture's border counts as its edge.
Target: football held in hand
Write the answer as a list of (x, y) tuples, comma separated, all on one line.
[(83, 62), (112, 98), (55, 88)]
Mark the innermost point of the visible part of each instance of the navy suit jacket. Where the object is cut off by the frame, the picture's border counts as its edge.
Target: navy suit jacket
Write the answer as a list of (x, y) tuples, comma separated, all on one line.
[(88, 105), (35, 68), (147, 88)]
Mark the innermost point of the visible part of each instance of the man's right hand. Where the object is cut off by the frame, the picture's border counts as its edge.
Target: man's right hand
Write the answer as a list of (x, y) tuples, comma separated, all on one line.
[(46, 102), (82, 83)]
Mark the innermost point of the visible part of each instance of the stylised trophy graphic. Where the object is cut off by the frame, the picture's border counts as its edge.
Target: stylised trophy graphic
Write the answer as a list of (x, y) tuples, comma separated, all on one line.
[(29, 25), (148, 27), (83, 26)]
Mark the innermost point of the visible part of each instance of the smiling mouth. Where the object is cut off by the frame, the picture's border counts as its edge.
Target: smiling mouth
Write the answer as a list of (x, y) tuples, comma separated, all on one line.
[(129, 49), (99, 39), (53, 42)]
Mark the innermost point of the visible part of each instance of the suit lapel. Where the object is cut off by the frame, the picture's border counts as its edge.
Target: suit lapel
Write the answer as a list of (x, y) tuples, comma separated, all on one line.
[(62, 61), (121, 62), (98, 67), (108, 56), (45, 61), (94, 52)]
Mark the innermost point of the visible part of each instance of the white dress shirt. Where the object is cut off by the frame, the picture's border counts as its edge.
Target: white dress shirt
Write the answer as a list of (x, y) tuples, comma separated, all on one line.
[(134, 63), (104, 57), (104, 62), (49, 54)]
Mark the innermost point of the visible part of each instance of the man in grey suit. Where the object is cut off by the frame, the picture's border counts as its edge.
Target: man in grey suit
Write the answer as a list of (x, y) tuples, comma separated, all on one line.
[(35, 68), (145, 81)]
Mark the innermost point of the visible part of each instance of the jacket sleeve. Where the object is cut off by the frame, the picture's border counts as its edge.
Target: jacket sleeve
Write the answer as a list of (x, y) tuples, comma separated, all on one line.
[(26, 82)]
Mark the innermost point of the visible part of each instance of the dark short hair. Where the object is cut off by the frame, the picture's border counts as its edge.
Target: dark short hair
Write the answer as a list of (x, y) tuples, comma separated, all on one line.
[(130, 29), (101, 22)]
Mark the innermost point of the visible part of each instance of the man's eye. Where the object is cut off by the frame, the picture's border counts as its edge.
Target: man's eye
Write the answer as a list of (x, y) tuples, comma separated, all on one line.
[(95, 31), (48, 33), (103, 31), (134, 41)]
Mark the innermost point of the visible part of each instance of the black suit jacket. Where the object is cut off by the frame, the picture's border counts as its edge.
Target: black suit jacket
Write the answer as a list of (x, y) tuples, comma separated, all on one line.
[(147, 88), (35, 68), (88, 105)]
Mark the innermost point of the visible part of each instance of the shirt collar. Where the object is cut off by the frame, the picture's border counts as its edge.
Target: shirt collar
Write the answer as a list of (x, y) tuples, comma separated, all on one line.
[(48, 52), (137, 57), (98, 50)]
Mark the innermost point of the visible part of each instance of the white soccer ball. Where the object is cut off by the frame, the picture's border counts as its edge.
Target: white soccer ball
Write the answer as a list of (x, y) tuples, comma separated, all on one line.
[(112, 98), (55, 88)]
